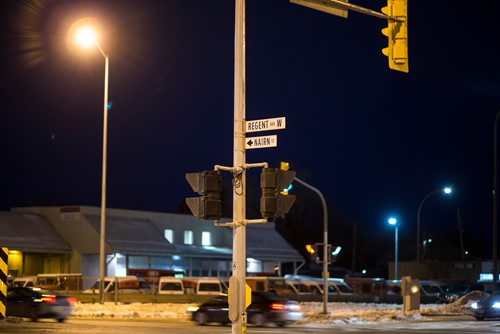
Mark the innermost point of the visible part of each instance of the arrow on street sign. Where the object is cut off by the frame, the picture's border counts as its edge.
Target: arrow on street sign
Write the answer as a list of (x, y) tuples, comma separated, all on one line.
[(261, 142)]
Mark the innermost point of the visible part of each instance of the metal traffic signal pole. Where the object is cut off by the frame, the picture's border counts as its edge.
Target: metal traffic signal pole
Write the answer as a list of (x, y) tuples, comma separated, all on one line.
[(239, 191), (325, 242)]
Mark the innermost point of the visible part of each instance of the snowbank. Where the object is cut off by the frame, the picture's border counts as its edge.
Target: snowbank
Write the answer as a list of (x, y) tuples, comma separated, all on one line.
[(460, 306), (338, 313)]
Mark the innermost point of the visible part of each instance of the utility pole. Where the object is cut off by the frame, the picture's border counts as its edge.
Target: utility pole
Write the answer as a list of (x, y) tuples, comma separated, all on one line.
[(239, 191), (495, 223), (460, 234), (353, 260)]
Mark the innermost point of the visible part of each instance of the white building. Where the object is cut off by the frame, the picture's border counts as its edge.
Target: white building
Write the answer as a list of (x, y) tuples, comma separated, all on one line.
[(66, 239)]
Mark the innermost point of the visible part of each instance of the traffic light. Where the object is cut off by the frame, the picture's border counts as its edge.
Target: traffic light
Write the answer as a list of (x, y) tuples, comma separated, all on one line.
[(273, 201), (333, 253), (209, 185), (397, 34), (313, 252)]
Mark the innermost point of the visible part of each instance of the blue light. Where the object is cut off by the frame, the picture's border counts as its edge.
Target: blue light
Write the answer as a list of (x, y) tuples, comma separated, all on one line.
[(392, 221)]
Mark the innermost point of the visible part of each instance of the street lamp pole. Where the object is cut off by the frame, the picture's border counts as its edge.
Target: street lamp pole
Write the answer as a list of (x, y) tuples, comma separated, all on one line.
[(102, 241), (325, 243), (446, 190), (393, 221), (86, 37), (418, 223)]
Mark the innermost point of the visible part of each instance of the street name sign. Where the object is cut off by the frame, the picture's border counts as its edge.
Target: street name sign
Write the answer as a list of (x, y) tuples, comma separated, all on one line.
[(265, 124), (261, 142)]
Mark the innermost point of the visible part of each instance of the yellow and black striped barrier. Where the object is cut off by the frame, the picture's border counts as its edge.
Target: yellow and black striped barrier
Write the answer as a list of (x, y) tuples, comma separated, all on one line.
[(4, 257)]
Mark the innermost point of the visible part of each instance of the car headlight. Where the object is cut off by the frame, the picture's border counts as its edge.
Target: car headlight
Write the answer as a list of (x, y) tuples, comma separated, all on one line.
[(496, 305), (474, 305), (192, 308)]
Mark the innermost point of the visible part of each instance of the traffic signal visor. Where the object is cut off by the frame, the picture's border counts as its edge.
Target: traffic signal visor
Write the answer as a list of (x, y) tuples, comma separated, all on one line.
[(209, 185)]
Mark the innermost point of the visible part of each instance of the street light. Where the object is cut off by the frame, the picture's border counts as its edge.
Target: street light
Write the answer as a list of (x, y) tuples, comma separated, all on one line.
[(325, 242), (86, 37), (446, 191), (394, 222)]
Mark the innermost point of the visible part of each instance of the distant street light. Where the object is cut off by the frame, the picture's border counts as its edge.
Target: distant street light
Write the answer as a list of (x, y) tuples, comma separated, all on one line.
[(447, 191), (86, 37), (394, 222)]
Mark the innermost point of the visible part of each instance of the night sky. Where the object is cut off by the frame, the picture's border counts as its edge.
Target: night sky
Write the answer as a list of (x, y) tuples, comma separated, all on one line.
[(374, 141)]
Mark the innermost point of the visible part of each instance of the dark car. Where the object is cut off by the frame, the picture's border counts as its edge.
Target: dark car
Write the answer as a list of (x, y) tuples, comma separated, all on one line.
[(35, 303), (266, 307), (456, 291), (488, 307)]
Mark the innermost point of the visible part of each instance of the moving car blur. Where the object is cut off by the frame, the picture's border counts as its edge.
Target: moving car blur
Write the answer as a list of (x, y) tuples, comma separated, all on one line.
[(35, 303), (266, 307), (488, 307)]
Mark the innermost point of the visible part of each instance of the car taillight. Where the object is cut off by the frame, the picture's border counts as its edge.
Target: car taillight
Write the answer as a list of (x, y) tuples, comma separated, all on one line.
[(294, 307), (277, 307), (71, 300), (48, 298)]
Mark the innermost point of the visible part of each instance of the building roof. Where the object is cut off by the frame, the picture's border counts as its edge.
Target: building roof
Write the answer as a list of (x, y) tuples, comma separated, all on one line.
[(30, 233), (132, 235), (142, 233), (265, 243)]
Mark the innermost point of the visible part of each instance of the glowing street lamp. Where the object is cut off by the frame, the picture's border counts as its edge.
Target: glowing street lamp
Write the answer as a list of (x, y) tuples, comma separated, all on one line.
[(86, 37), (446, 191), (394, 222)]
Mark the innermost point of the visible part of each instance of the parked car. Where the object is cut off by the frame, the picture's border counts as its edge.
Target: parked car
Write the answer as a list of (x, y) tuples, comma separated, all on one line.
[(301, 288), (269, 284), (488, 307), (145, 286), (126, 284), (52, 282), (24, 281), (170, 285), (456, 291), (35, 303), (204, 285), (339, 287), (431, 289), (266, 307)]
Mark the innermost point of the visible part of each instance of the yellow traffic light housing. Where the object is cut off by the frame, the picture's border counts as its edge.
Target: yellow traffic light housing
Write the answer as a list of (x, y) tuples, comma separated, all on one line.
[(397, 34), (284, 165)]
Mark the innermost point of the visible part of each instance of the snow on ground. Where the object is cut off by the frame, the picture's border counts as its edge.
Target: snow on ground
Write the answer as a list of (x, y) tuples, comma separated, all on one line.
[(338, 313)]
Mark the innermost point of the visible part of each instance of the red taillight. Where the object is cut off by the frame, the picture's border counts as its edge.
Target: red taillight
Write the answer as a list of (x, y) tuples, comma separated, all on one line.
[(277, 307), (48, 298), (71, 299)]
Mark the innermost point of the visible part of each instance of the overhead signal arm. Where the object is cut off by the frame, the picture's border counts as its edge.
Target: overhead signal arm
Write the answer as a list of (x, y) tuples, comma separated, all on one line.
[(397, 27)]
